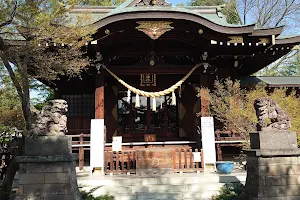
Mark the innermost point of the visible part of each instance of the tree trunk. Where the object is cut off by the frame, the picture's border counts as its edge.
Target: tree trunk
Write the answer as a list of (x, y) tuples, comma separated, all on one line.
[(8, 180), (22, 88)]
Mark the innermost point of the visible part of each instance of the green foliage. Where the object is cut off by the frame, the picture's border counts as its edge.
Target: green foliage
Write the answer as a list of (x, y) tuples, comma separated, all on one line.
[(5, 130), (101, 2), (231, 12), (233, 106), (207, 2), (180, 5), (230, 9), (10, 108), (229, 192), (44, 94), (288, 65), (35, 25), (89, 196)]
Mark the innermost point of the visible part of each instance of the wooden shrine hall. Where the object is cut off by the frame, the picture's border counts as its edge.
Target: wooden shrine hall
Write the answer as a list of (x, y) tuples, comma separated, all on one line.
[(147, 47)]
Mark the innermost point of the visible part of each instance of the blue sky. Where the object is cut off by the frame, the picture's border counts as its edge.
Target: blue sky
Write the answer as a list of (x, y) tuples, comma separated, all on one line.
[(175, 2)]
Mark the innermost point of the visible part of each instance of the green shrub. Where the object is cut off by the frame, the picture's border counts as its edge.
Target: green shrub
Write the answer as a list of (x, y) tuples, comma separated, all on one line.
[(89, 196), (229, 192)]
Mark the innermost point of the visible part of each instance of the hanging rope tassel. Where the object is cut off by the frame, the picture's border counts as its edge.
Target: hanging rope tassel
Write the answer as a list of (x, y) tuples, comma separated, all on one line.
[(128, 96), (153, 94), (161, 102), (153, 104), (173, 103), (137, 101)]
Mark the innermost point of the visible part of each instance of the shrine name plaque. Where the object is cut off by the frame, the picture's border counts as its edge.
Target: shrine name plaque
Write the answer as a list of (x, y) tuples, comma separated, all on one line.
[(148, 80)]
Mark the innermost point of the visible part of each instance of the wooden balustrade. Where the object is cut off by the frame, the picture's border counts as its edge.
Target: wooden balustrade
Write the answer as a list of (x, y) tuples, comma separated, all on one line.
[(183, 160), (229, 139), (80, 143), (120, 162)]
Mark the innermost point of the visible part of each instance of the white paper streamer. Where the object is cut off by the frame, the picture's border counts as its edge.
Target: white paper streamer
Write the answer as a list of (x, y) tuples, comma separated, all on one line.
[(173, 103), (137, 101), (153, 104), (128, 95)]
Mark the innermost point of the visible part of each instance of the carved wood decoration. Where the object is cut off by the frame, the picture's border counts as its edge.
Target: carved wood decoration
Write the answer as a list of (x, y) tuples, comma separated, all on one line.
[(236, 39), (153, 3), (264, 40), (148, 80), (154, 29)]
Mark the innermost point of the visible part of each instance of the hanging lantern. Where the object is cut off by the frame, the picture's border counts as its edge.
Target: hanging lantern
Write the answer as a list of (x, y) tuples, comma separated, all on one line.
[(173, 103), (137, 101), (153, 104)]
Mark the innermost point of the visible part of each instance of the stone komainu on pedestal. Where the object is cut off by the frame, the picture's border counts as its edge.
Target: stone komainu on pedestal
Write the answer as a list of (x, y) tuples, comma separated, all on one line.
[(273, 163), (52, 120), (47, 168), (267, 108)]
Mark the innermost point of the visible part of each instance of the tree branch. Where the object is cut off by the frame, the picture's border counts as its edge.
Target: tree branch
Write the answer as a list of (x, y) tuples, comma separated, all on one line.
[(12, 15)]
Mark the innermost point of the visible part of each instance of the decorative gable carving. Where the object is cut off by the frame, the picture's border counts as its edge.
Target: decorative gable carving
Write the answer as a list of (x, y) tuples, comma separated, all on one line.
[(153, 3)]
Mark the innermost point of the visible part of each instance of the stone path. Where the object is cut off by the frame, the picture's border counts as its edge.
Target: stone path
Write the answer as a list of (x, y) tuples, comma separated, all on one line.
[(187, 186)]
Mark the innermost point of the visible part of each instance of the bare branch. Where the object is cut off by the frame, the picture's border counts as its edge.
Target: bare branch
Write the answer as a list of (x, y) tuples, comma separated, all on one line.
[(12, 15)]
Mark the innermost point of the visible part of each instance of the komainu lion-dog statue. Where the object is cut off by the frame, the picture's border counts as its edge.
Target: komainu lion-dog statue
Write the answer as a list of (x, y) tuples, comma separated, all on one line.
[(266, 108)]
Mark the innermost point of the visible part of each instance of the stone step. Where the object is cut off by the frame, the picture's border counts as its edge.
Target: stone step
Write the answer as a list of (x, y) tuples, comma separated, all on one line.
[(172, 187), (133, 180), (155, 188), (206, 195)]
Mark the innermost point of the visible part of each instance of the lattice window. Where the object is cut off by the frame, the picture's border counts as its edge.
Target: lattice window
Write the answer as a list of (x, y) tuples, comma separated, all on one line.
[(80, 105)]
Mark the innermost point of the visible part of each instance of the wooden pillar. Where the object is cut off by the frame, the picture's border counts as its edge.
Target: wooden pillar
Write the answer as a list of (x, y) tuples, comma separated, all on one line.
[(57, 93), (148, 115), (99, 96), (166, 116), (204, 82)]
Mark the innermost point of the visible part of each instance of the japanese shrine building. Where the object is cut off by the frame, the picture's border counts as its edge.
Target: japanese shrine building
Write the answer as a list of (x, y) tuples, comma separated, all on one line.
[(151, 45)]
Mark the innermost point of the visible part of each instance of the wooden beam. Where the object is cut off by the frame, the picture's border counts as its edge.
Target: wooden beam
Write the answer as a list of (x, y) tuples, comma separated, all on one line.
[(99, 97), (129, 70)]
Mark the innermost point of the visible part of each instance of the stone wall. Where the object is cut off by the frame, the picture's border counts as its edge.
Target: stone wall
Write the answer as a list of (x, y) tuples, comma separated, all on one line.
[(273, 167), (270, 177), (47, 170)]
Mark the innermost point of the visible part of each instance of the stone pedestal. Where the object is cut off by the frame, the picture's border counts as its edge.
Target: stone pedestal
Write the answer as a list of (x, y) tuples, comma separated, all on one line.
[(273, 167), (154, 161), (47, 170)]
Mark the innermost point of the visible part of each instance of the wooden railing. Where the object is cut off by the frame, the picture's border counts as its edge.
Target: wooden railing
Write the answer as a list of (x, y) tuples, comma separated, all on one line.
[(81, 143), (226, 138), (183, 160), (119, 162)]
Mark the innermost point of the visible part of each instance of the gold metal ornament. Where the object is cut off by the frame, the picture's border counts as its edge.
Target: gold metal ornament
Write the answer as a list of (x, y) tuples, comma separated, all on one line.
[(236, 39), (154, 29), (148, 80), (264, 41), (107, 31)]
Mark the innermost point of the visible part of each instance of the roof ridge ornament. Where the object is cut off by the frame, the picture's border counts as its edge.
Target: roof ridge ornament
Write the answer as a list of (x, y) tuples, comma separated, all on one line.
[(154, 29), (152, 3)]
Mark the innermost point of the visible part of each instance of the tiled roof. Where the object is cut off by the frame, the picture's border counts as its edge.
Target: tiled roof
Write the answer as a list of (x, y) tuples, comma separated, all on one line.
[(293, 81), (211, 13)]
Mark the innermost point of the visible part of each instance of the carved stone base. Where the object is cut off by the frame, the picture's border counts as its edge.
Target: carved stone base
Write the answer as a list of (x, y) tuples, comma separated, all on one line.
[(273, 140), (273, 173), (47, 176)]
